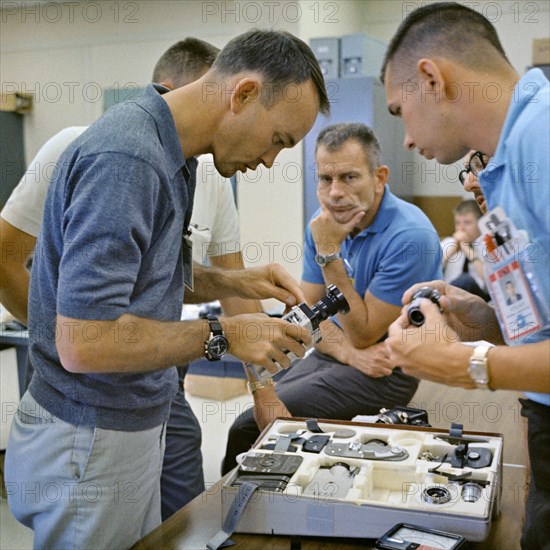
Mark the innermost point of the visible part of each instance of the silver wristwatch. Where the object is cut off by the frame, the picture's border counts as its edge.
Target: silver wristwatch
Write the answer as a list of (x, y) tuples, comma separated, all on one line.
[(324, 259), (478, 369)]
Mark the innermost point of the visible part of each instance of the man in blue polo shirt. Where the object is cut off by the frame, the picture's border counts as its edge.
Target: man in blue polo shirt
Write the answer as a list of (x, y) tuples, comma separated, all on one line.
[(371, 245), (441, 92), (107, 287)]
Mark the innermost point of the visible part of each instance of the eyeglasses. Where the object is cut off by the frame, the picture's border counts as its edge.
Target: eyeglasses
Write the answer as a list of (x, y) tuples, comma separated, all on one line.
[(476, 164)]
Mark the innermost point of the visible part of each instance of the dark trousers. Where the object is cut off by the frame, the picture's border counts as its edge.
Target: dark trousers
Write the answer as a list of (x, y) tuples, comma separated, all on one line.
[(320, 387), (182, 476), (536, 531)]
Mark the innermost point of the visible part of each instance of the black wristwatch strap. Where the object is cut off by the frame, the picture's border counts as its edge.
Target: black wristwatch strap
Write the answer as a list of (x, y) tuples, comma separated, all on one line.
[(215, 325), (216, 345)]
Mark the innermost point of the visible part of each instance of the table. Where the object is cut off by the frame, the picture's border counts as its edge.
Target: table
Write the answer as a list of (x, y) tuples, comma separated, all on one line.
[(195, 524)]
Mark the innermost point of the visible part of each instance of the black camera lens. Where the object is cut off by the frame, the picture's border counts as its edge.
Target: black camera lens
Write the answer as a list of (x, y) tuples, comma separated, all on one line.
[(415, 315), (333, 303)]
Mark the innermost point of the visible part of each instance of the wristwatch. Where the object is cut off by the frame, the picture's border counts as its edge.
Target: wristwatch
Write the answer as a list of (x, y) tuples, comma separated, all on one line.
[(478, 368), (324, 259), (259, 384), (217, 344)]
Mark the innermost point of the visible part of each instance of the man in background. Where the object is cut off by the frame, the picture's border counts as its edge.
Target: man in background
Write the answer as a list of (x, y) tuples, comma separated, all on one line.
[(367, 242), (462, 260)]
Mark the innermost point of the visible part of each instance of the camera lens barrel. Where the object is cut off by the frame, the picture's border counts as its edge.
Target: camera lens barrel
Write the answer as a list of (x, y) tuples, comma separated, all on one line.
[(471, 492), (415, 315), (334, 302)]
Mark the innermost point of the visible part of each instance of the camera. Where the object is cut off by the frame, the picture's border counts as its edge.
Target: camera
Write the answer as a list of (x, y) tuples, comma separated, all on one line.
[(332, 482), (271, 472), (270, 463), (334, 302), (403, 415), (416, 317)]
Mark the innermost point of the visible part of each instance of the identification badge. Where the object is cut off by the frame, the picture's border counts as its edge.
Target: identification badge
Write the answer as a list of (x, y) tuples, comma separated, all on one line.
[(514, 300), (187, 261), (508, 276)]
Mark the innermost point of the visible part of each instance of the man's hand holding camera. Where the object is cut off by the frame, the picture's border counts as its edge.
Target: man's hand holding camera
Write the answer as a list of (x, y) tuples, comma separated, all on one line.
[(467, 314), (419, 350), (263, 340)]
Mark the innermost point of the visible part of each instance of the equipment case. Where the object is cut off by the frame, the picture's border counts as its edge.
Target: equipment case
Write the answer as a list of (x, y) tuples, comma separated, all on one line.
[(366, 478)]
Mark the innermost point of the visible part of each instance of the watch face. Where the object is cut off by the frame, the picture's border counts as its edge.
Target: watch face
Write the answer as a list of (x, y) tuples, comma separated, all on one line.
[(218, 346), (479, 372)]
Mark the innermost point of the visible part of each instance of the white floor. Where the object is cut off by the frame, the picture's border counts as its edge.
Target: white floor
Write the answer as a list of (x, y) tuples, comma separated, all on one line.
[(215, 417)]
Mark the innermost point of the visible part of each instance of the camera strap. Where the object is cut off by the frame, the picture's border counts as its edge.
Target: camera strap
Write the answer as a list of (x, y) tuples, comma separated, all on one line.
[(220, 539)]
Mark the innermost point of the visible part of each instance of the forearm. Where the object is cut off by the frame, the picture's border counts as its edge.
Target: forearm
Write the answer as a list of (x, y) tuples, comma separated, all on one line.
[(267, 406), (334, 342), (234, 305), (523, 368), (256, 283), (355, 323), (449, 250), (519, 368), (128, 344), (484, 326), (208, 285), (17, 248), (14, 289), (134, 344)]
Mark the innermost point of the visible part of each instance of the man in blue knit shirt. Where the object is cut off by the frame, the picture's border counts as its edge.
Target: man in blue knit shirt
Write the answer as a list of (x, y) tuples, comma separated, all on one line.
[(108, 282), (371, 245)]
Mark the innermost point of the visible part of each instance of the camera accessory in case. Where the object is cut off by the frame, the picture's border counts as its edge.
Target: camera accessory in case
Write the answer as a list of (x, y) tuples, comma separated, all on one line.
[(375, 449), (404, 415), (315, 443), (332, 482), (270, 463)]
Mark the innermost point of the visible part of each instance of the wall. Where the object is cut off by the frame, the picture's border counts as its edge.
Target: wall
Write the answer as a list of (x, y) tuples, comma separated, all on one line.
[(66, 54)]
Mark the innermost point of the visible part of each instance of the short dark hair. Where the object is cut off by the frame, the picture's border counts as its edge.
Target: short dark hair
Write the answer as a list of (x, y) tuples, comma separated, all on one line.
[(280, 57), (334, 136), (185, 62), (446, 29), (469, 206)]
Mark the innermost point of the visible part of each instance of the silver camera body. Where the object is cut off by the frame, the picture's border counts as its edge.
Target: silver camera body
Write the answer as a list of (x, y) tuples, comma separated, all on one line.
[(310, 318)]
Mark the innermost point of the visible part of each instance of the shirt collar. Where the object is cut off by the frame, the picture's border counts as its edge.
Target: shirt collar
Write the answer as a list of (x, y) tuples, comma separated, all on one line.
[(531, 83), (151, 102), (384, 215)]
